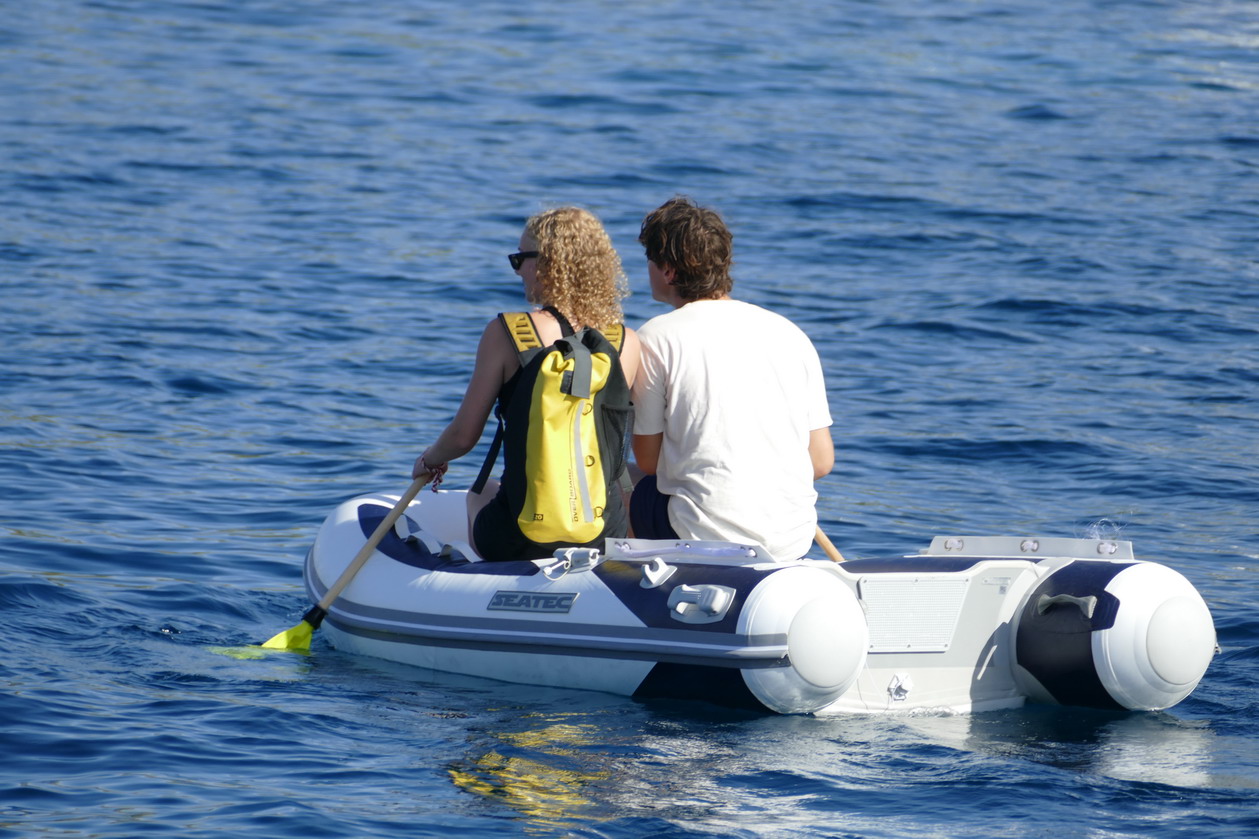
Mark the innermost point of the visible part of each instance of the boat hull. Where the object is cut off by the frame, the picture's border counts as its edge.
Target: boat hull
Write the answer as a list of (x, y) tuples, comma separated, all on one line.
[(970, 624)]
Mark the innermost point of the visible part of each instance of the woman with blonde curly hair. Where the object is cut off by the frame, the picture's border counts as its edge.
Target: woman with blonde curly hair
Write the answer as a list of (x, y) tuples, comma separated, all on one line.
[(572, 274)]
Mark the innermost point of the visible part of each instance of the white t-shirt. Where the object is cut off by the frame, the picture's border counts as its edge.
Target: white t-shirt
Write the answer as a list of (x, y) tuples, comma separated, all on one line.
[(735, 389)]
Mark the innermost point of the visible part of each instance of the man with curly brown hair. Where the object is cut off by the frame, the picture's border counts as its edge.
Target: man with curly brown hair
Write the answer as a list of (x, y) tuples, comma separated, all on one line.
[(732, 425)]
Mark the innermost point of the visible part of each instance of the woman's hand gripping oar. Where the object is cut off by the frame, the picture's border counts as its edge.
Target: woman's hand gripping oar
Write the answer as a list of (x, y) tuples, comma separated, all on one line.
[(825, 544), (297, 639)]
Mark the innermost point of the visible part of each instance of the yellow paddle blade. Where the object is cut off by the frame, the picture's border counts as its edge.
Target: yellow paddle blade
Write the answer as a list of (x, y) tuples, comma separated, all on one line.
[(249, 653), (296, 639)]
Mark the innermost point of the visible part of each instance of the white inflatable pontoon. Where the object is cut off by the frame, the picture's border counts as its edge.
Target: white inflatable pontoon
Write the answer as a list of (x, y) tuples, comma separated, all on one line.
[(971, 624)]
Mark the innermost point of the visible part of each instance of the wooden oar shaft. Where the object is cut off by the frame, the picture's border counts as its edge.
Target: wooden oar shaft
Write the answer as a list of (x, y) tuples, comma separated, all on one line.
[(827, 545), (366, 551)]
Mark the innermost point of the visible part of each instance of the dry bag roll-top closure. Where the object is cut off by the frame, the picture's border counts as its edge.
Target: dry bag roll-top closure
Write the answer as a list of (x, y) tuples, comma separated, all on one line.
[(566, 430)]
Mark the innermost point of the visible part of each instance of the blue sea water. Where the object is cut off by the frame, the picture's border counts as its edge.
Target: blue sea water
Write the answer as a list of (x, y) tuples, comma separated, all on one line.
[(245, 253)]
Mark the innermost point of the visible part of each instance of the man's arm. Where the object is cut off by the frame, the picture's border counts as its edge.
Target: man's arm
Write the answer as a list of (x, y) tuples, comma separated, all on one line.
[(821, 451), (647, 451)]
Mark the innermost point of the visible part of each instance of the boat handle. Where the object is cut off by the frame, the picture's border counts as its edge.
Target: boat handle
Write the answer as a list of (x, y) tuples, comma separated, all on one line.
[(1086, 605)]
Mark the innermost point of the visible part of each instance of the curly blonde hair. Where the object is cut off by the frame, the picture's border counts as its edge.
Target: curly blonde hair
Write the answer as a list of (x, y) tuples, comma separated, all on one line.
[(579, 271)]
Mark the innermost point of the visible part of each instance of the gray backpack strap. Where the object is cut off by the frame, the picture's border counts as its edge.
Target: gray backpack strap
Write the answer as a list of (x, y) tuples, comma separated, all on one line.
[(576, 381)]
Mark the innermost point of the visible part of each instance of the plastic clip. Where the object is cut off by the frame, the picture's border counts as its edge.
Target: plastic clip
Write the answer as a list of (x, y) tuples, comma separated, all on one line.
[(656, 572)]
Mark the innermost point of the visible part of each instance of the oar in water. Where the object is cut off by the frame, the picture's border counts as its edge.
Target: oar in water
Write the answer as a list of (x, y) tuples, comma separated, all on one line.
[(297, 639), (825, 544)]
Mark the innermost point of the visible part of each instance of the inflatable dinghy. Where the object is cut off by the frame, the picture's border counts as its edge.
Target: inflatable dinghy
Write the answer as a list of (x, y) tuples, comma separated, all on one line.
[(969, 624)]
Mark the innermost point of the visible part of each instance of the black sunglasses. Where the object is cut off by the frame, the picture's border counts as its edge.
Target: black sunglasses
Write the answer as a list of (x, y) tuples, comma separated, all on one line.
[(518, 259)]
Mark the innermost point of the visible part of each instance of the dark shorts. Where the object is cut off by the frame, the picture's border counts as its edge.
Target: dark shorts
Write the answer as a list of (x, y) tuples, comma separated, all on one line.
[(649, 511), (497, 537)]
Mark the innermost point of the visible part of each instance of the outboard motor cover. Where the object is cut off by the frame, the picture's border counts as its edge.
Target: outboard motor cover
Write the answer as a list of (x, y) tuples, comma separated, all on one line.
[(1112, 635)]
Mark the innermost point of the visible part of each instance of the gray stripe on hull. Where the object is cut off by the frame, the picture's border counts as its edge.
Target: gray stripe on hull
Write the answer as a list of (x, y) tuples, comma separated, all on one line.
[(534, 647)]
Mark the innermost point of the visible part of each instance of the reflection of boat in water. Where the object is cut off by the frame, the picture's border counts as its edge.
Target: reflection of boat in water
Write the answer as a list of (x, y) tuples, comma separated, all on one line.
[(972, 623), (541, 771)]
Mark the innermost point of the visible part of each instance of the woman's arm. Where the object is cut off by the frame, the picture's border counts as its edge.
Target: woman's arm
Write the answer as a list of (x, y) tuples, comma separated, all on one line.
[(495, 363)]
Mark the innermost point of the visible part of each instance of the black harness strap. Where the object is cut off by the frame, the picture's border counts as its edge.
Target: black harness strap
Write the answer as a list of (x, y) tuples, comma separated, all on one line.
[(565, 328)]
